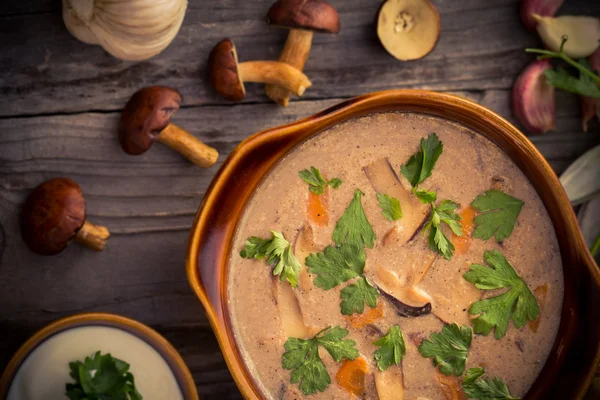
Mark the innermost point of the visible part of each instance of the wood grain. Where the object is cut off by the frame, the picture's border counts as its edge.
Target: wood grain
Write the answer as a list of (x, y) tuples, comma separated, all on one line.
[(59, 109)]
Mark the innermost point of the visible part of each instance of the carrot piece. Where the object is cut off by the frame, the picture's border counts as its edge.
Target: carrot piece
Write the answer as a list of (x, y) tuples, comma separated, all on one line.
[(317, 208), (540, 293), (351, 376), (450, 386), (462, 243), (368, 317)]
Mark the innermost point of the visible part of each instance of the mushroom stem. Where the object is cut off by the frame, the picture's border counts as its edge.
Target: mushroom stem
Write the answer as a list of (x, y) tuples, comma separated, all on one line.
[(188, 145), (276, 73), (294, 53), (93, 236)]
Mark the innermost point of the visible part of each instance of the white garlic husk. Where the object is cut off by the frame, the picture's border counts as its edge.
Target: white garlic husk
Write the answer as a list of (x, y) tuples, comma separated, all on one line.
[(581, 179), (130, 30), (582, 32)]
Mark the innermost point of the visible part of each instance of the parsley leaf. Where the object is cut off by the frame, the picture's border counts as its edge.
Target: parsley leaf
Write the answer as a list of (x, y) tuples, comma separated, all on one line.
[(353, 227), (563, 80), (445, 212), (425, 196), (335, 265), (390, 207), (101, 377), (485, 388), (448, 348), (392, 349), (356, 295), (302, 356), (495, 312), (501, 212), (420, 165), (316, 182), (278, 252)]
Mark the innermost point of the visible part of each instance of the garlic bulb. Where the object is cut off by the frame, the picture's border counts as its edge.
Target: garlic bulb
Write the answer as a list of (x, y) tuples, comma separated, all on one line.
[(127, 29)]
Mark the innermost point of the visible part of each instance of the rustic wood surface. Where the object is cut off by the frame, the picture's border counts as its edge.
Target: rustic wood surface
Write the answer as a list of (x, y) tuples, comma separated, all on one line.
[(59, 107)]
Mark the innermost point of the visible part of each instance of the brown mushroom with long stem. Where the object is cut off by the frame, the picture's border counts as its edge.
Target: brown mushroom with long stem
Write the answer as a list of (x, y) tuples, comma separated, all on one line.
[(302, 18), (228, 76), (147, 118), (54, 214)]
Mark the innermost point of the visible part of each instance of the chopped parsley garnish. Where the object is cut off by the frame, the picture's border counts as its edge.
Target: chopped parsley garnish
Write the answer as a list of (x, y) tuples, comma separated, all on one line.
[(448, 348), (420, 165), (278, 252), (391, 349), (446, 213), (302, 357), (356, 295), (390, 207), (479, 388), (353, 227), (101, 377), (316, 182), (495, 312), (425, 196), (501, 212)]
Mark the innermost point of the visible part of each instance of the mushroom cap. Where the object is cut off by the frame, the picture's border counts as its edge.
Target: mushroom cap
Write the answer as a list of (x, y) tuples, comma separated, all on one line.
[(314, 15), (146, 114), (52, 215), (223, 69)]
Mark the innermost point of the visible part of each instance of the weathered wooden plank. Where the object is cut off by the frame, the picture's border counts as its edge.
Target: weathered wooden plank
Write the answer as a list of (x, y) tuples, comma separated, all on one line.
[(45, 70)]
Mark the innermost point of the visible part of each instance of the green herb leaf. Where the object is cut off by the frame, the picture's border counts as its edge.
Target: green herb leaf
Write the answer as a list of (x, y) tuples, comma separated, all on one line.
[(563, 80), (476, 387), (392, 349), (501, 212), (448, 348), (356, 295), (353, 227), (335, 265), (424, 196), (446, 213), (101, 377), (278, 253), (495, 312), (302, 356), (316, 182), (420, 165), (390, 207)]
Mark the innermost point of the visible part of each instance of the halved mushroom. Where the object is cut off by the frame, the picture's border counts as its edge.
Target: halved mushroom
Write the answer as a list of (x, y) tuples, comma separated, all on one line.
[(147, 118), (54, 214), (289, 310), (390, 384), (408, 29), (228, 76), (302, 18), (384, 180)]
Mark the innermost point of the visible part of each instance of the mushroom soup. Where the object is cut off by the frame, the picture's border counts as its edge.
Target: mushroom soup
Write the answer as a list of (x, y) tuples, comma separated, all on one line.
[(395, 256)]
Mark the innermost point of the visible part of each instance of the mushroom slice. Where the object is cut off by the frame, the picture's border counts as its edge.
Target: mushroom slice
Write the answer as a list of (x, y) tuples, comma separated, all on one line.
[(384, 180), (303, 246), (408, 29), (450, 386), (404, 310), (390, 384), (289, 310)]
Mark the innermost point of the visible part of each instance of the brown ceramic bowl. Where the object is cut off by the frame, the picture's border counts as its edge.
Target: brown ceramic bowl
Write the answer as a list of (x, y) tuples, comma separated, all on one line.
[(154, 339), (576, 352)]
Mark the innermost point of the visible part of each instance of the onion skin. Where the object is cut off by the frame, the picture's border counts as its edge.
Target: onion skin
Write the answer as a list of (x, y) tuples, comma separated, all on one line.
[(533, 102), (590, 107), (544, 8)]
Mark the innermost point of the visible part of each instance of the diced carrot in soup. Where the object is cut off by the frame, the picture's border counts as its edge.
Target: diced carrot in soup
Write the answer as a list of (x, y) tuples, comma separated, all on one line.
[(462, 243), (369, 316), (540, 293), (317, 208), (351, 376)]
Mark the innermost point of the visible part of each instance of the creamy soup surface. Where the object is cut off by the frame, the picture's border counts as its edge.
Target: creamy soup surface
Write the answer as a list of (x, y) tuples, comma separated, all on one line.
[(264, 309)]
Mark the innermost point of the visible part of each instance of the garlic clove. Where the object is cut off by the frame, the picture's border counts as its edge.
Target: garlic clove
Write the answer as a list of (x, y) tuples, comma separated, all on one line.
[(545, 8), (533, 101), (583, 34), (581, 179), (590, 106)]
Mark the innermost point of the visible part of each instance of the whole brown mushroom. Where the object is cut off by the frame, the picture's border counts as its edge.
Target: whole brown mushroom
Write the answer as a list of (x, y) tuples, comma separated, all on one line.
[(302, 18), (228, 76), (54, 214), (147, 118)]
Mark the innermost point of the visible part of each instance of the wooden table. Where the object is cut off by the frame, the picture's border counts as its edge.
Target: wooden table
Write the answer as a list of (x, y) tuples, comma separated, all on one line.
[(59, 107)]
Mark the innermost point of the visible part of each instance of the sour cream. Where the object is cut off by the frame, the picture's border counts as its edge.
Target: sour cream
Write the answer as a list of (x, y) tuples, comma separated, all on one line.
[(44, 373)]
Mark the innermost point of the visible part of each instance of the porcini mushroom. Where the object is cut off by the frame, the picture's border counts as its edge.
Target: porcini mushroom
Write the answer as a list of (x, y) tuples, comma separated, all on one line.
[(302, 18), (54, 214), (408, 29), (147, 118), (228, 76)]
